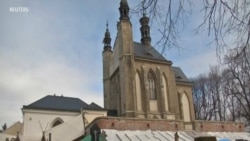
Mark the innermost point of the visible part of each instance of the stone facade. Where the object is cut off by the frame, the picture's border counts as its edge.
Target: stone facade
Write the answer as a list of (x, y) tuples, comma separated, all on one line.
[(138, 81)]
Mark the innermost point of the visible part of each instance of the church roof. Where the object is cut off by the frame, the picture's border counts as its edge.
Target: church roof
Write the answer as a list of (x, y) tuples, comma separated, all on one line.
[(151, 53), (179, 75), (94, 106), (61, 103), (147, 52)]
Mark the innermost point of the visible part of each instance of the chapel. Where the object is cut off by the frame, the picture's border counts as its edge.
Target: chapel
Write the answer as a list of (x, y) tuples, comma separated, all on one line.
[(140, 82), (145, 98)]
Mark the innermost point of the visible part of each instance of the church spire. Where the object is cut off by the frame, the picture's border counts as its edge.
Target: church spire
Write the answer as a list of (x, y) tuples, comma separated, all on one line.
[(124, 10), (145, 29), (107, 39)]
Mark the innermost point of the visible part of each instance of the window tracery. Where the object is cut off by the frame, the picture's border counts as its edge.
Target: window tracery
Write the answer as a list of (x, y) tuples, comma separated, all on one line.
[(152, 88)]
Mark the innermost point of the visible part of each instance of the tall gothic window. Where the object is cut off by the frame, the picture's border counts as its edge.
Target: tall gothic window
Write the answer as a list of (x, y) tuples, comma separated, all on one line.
[(151, 83)]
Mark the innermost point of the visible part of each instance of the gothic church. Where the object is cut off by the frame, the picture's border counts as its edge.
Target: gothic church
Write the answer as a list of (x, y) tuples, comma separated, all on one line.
[(138, 81)]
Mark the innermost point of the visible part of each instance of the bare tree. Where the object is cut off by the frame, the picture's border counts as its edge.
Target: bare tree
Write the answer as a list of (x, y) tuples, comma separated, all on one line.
[(204, 101), (227, 21), (231, 106), (214, 78), (239, 69), (168, 16), (216, 96)]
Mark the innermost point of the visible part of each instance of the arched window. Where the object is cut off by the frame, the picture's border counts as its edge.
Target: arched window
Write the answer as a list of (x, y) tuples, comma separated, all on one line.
[(57, 121), (151, 83)]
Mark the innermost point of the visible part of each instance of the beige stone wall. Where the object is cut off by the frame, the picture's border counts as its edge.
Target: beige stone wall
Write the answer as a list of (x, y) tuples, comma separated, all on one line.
[(126, 70), (167, 98), (182, 90), (115, 93), (114, 61), (121, 72), (107, 57)]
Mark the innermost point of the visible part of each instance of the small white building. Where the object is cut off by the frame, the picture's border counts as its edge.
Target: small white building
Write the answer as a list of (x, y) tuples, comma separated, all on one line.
[(53, 116)]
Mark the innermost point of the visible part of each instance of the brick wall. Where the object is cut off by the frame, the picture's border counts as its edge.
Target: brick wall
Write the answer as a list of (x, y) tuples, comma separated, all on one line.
[(137, 124), (219, 126), (121, 123)]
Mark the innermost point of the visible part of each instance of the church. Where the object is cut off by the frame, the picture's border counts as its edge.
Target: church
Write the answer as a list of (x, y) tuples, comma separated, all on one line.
[(146, 98), (138, 81), (151, 98)]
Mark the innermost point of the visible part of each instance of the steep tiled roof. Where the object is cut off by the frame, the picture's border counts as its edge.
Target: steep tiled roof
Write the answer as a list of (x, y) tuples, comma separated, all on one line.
[(151, 53), (147, 52), (179, 75), (94, 106), (60, 103)]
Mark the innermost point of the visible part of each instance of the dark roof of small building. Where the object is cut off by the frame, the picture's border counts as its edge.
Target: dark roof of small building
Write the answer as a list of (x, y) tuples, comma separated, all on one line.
[(179, 75), (94, 106), (147, 52), (61, 103)]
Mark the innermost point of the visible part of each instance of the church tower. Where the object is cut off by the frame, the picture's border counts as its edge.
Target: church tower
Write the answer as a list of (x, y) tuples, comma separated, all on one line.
[(126, 61), (118, 66), (106, 54), (138, 81)]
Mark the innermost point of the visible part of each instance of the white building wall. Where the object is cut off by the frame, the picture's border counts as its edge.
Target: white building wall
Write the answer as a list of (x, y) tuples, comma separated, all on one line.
[(37, 121), (72, 129)]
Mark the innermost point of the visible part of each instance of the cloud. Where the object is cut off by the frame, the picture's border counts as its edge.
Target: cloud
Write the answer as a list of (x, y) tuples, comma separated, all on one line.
[(51, 49)]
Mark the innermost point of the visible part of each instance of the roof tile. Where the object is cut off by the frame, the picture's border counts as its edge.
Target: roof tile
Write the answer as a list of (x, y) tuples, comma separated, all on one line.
[(60, 103)]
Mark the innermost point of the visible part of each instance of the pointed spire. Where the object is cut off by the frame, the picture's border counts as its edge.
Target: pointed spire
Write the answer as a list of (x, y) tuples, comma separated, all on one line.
[(145, 28), (107, 39), (124, 10), (107, 33)]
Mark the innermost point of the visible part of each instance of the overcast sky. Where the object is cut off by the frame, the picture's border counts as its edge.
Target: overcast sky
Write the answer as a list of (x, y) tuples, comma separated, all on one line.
[(56, 48)]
